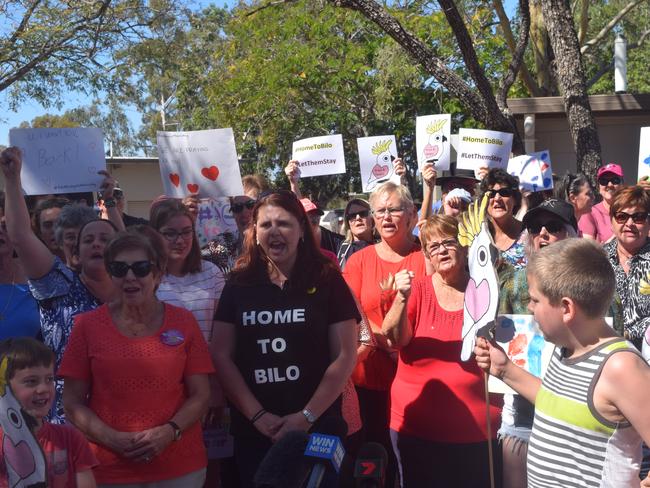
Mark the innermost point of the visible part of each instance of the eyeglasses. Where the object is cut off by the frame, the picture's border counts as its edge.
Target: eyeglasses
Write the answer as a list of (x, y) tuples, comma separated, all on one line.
[(361, 215), (381, 212), (552, 227), (436, 247), (504, 192), (172, 235), (119, 269), (238, 207), (637, 218), (605, 180)]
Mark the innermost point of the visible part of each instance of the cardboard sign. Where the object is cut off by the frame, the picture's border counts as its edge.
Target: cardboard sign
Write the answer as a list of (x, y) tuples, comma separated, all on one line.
[(203, 162), (319, 156), (644, 153), (60, 160), (533, 170), (214, 218), (483, 148), (523, 342), (376, 156), (432, 140)]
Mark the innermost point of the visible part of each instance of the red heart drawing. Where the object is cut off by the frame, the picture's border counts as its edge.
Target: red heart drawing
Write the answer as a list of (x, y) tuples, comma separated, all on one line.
[(193, 188), (211, 173), (175, 179), (380, 171), (430, 151), (544, 166), (19, 457)]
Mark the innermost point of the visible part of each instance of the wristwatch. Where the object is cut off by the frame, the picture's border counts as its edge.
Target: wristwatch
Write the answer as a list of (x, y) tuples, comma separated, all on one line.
[(311, 418), (177, 430)]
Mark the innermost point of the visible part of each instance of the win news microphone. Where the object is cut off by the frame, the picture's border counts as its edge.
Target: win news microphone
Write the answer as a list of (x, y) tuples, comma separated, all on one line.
[(326, 448), (284, 465), (370, 467)]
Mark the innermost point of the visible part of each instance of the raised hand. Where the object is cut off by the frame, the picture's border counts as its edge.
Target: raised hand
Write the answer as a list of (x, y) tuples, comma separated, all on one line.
[(11, 162)]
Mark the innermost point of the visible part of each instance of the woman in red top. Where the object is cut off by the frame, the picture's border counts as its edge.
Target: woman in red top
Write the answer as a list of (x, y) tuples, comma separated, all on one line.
[(370, 274), (437, 422), (136, 375)]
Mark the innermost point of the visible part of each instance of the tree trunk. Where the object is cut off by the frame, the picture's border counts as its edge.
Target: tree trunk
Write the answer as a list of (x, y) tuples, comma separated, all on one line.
[(571, 80), (541, 54)]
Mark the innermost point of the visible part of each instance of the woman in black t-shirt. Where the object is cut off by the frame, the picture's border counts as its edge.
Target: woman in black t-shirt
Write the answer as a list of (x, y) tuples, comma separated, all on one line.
[(285, 337)]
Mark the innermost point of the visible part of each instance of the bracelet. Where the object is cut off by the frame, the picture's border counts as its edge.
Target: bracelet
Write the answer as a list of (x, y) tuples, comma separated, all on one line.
[(110, 203), (258, 416)]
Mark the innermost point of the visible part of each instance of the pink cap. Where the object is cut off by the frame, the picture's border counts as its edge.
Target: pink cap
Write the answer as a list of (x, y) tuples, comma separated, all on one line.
[(611, 168), (310, 206)]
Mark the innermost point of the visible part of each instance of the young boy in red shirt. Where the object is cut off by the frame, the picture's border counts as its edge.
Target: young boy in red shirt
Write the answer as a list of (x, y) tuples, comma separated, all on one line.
[(29, 368)]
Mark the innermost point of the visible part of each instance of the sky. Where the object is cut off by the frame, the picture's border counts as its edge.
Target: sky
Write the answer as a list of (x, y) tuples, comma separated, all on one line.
[(30, 109)]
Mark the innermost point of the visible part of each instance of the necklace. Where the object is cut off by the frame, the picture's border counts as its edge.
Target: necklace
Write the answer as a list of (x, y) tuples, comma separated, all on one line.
[(11, 295)]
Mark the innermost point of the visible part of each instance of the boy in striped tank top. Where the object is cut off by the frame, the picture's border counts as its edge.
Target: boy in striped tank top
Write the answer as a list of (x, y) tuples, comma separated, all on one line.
[(591, 408)]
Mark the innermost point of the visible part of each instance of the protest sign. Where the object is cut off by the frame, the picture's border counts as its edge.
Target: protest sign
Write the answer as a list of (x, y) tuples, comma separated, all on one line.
[(533, 170), (644, 153), (214, 218), (319, 156), (432, 140), (60, 160), (376, 156), (202, 162), (483, 148)]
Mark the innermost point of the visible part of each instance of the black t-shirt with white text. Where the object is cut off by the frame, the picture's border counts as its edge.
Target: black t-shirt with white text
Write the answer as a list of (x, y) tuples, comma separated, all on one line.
[(282, 340)]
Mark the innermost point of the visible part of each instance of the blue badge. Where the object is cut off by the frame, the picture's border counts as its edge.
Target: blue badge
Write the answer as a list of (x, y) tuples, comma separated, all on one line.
[(172, 337)]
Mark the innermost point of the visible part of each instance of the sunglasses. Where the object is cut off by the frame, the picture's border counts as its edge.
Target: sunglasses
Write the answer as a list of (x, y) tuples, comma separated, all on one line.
[(238, 207), (614, 180), (118, 194), (504, 192), (119, 269), (552, 227), (637, 218), (363, 214)]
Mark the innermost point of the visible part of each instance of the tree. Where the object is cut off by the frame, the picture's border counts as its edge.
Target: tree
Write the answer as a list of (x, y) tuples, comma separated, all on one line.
[(49, 44)]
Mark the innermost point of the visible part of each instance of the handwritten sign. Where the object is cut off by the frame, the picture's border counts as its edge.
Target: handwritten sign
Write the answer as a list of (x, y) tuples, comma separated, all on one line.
[(432, 140), (376, 156), (533, 170), (60, 160), (202, 162), (644, 153), (319, 156), (214, 218), (523, 342), (483, 148)]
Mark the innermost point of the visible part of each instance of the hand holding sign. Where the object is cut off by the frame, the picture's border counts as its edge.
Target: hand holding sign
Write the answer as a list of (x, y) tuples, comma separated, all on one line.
[(11, 162)]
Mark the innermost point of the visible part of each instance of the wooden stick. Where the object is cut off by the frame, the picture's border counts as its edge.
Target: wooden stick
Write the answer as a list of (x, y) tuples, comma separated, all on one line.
[(486, 376)]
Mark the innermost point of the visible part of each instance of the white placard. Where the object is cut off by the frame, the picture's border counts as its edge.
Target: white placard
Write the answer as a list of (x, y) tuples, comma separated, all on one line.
[(644, 153), (202, 161), (483, 148), (376, 156), (319, 156), (533, 170), (432, 140), (60, 160)]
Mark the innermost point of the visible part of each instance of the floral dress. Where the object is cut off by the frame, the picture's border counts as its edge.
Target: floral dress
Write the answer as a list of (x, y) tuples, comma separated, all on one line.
[(61, 296), (515, 255)]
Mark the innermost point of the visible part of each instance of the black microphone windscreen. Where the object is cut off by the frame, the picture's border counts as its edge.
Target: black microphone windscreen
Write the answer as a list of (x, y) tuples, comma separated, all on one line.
[(284, 465), (373, 450)]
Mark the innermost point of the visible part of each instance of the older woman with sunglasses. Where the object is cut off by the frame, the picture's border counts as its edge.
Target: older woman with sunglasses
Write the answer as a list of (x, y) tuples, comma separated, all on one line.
[(505, 200), (285, 334), (370, 273), (597, 224), (359, 229), (136, 375), (629, 254)]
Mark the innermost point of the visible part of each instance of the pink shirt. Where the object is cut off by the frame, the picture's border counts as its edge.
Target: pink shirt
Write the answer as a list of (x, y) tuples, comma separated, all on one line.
[(597, 223)]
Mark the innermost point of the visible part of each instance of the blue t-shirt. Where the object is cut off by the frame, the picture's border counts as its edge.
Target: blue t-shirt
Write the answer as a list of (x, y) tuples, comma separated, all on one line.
[(18, 312)]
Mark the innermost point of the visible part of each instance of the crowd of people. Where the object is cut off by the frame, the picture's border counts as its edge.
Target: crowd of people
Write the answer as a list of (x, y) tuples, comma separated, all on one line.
[(126, 339)]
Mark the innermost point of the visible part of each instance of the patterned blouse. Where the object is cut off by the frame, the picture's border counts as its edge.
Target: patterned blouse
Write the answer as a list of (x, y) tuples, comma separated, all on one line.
[(61, 296), (515, 255), (223, 251), (636, 306)]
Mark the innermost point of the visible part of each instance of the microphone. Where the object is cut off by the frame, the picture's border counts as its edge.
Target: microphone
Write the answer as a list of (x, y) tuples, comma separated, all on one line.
[(284, 465), (326, 448), (370, 467)]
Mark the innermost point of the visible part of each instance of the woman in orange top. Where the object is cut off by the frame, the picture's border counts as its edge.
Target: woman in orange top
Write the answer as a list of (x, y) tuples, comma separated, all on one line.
[(370, 274), (136, 375)]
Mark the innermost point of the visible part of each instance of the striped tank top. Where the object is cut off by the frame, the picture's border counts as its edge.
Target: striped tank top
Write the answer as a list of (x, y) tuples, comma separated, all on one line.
[(571, 444)]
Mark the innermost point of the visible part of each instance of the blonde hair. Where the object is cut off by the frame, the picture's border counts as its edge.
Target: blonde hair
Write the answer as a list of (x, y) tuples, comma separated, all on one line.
[(393, 188), (437, 224), (576, 269)]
